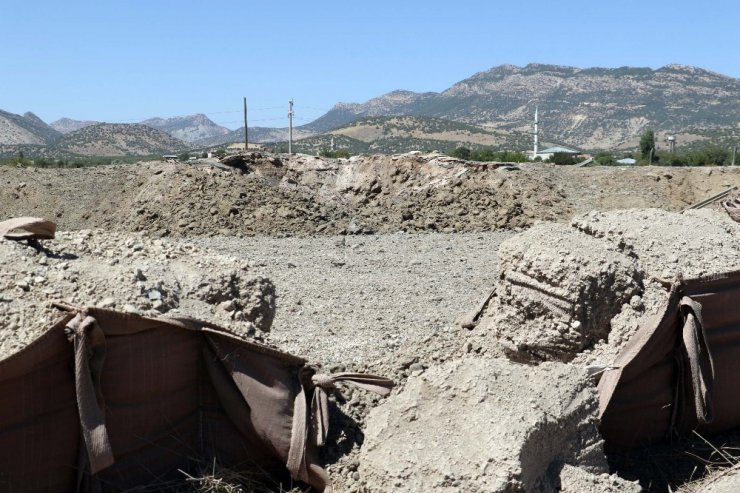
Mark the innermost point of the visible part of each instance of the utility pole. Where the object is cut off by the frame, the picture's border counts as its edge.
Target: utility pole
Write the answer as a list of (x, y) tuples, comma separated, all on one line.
[(290, 126), (246, 129), (536, 132), (734, 155)]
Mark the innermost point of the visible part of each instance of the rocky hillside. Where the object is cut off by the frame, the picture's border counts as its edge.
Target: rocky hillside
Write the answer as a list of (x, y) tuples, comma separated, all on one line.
[(591, 108), (188, 128), (68, 125), (256, 134), (25, 129), (114, 139), (380, 131), (398, 134)]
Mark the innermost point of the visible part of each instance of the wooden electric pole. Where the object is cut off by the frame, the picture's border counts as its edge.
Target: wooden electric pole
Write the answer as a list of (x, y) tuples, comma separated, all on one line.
[(246, 128), (290, 126)]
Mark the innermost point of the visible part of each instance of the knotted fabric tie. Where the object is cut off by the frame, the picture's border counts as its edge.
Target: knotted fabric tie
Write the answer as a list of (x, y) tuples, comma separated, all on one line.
[(701, 364), (89, 348), (303, 421), (320, 401)]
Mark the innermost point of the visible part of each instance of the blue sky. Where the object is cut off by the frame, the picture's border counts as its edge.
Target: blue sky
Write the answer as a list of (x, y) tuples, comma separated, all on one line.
[(124, 61)]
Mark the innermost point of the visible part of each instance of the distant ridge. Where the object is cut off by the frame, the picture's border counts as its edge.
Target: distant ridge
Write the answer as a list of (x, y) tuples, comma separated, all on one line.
[(25, 129), (67, 125), (590, 108), (119, 139), (188, 128)]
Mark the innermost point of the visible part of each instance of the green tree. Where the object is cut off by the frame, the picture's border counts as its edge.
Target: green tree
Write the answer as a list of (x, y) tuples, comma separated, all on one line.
[(461, 153), (563, 158), (647, 144), (183, 157), (604, 159), (339, 153)]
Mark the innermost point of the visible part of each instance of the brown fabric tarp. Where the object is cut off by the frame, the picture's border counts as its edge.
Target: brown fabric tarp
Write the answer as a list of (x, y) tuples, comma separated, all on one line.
[(106, 401), (28, 228), (681, 371)]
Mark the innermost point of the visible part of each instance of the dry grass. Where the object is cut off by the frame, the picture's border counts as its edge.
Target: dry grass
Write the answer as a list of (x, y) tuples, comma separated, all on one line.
[(222, 480), (717, 460), (215, 478)]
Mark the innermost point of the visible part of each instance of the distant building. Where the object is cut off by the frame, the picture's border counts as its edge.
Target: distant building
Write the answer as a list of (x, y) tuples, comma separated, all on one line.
[(546, 154)]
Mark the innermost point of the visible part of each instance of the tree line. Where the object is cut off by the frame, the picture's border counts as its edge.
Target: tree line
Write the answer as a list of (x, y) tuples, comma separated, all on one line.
[(489, 155)]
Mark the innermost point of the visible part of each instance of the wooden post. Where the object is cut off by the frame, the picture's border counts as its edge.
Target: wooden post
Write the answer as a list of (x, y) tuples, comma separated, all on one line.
[(246, 128)]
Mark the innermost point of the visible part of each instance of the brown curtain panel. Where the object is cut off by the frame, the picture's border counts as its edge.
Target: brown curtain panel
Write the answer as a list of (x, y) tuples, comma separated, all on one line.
[(107, 401), (681, 371)]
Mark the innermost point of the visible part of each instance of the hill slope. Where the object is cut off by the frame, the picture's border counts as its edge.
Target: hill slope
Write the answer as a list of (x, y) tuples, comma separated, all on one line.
[(117, 139), (256, 134), (592, 108), (188, 128), (67, 125), (397, 134), (25, 129)]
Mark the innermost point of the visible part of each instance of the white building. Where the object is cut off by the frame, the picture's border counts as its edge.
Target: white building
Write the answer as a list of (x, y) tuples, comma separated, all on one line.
[(546, 154)]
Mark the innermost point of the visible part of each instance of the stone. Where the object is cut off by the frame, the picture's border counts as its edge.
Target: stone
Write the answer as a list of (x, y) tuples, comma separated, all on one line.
[(108, 302)]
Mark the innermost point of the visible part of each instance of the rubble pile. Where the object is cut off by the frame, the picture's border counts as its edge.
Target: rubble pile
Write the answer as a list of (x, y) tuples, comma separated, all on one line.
[(129, 272)]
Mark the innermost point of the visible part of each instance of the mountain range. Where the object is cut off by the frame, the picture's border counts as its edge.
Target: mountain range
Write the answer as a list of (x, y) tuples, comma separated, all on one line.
[(592, 108)]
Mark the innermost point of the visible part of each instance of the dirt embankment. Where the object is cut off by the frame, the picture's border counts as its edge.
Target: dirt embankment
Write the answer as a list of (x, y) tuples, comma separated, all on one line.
[(303, 195), (386, 303)]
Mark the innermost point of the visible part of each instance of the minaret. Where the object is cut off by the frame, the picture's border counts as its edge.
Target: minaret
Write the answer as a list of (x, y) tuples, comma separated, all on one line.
[(536, 122)]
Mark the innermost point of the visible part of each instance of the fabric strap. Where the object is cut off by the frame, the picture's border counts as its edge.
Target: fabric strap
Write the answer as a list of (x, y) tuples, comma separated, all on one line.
[(700, 362), (315, 419), (89, 353), (320, 401), (471, 319)]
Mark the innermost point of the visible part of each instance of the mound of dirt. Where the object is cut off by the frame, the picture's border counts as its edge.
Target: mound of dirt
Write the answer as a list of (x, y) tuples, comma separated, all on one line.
[(577, 480), (579, 292), (303, 195), (557, 293), (696, 243), (479, 424), (133, 273)]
